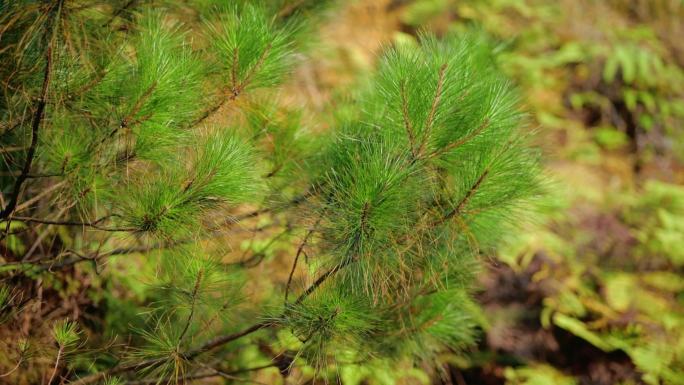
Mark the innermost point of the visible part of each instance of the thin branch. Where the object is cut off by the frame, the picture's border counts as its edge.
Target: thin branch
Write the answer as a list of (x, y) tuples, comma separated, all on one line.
[(216, 342), (126, 120), (21, 359), (195, 290), (252, 214), (138, 105), (170, 379), (94, 256), (235, 378), (212, 110), (76, 258), (5, 150), (36, 176), (54, 370), (290, 9), (36, 198), (253, 70), (94, 224), (222, 340), (300, 249), (213, 372), (322, 279), (233, 70)]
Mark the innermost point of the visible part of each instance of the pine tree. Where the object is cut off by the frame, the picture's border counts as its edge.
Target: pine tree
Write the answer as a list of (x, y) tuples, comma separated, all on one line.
[(113, 162)]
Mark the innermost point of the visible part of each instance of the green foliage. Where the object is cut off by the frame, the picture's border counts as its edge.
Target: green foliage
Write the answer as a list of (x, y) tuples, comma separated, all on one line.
[(439, 313), (404, 194), (224, 169), (163, 143), (332, 321), (66, 334), (156, 93), (253, 51)]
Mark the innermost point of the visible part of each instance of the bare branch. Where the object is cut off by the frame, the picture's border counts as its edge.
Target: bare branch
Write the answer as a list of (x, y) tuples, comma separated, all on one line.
[(94, 224), (300, 249)]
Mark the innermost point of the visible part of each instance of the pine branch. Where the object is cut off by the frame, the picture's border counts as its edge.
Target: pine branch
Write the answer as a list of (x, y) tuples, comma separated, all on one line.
[(296, 201), (253, 70), (14, 368), (322, 279), (31, 176), (236, 89), (234, 69), (212, 110), (37, 118), (290, 9), (95, 256), (76, 258), (216, 342)]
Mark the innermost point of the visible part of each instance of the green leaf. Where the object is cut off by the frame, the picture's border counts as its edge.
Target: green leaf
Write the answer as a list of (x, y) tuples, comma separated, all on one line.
[(579, 329)]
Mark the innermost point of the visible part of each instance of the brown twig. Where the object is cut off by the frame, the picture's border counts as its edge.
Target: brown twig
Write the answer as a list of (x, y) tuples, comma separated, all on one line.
[(94, 224), (195, 290), (300, 249), (54, 370), (76, 258)]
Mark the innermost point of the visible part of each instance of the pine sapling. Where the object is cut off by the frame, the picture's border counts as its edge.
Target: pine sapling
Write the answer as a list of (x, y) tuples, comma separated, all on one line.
[(150, 147)]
